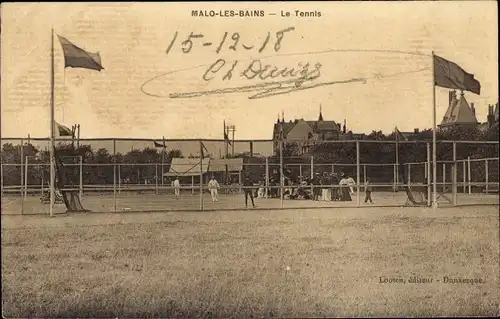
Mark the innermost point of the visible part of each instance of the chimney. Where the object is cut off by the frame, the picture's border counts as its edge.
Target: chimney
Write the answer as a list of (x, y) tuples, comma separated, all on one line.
[(490, 118), (415, 130), (473, 109), (345, 127)]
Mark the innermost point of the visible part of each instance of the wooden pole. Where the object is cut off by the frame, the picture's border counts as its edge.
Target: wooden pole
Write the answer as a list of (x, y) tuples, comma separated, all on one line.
[(267, 177), (469, 174), (281, 167), (434, 131), (81, 178), (52, 123), (358, 177), (201, 175), (486, 175), (114, 175), (22, 175), (409, 174), (429, 190), (156, 178), (444, 177), (119, 179), (26, 178), (454, 175), (464, 177)]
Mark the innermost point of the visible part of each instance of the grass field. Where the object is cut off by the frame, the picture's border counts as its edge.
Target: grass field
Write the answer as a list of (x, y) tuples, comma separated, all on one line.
[(273, 263)]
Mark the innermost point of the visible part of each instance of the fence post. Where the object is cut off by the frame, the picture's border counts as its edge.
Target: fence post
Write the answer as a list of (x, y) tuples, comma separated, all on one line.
[(156, 178), (333, 169), (394, 173), (364, 173), (22, 175), (26, 178), (464, 177), (119, 179), (358, 177), (409, 174), (469, 174), (81, 177), (192, 184), (486, 174), (1, 177), (454, 175), (428, 174), (267, 177), (114, 175), (444, 177), (312, 167)]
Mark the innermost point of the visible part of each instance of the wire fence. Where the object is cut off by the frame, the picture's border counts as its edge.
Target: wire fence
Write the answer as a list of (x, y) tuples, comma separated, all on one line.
[(134, 175)]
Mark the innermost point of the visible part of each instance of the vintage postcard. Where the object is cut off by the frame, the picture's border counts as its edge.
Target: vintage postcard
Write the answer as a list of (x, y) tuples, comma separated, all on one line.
[(254, 159)]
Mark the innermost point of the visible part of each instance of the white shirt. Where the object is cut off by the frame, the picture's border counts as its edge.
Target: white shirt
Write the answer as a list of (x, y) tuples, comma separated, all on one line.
[(350, 181), (177, 184), (213, 184), (344, 181)]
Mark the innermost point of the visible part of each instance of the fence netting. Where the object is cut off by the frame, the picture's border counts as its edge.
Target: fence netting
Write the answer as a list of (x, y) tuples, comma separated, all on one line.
[(113, 175)]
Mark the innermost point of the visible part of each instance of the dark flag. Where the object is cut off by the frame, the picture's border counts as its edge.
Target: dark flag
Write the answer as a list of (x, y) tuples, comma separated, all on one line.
[(448, 74), (160, 145), (76, 57), (226, 138), (63, 130), (399, 136)]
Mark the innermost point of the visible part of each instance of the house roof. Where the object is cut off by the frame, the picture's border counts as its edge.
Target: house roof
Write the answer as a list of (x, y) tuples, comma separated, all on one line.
[(187, 167), (459, 113), (318, 126), (323, 125), (219, 165)]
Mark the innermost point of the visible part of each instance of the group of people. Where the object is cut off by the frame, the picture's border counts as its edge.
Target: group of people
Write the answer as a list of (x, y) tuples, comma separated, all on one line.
[(214, 186), (326, 187)]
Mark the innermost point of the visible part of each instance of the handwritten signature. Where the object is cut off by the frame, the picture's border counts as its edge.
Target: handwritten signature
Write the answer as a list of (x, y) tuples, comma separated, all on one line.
[(268, 79)]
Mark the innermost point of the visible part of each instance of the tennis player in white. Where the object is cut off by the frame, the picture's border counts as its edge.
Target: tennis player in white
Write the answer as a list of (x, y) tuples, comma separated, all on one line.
[(213, 186)]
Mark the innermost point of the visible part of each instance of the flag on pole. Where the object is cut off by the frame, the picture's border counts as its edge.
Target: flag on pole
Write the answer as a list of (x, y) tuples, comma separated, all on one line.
[(76, 57), (203, 149), (448, 74), (160, 145), (63, 130), (399, 136), (226, 137)]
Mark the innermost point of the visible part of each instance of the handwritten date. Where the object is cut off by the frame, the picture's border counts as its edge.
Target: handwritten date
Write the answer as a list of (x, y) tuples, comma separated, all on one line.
[(230, 42)]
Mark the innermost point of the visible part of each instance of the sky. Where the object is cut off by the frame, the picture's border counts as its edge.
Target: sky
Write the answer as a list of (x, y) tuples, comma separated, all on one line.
[(132, 39)]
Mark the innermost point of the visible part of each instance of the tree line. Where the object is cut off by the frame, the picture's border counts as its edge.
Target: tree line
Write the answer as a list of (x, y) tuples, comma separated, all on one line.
[(322, 152)]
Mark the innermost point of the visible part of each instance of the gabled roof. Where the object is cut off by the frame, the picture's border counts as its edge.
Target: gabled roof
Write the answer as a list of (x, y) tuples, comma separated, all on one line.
[(287, 126), (460, 113), (187, 167), (323, 125)]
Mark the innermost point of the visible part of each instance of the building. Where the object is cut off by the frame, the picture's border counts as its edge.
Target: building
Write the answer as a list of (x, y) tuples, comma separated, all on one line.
[(491, 118), (307, 133), (459, 114)]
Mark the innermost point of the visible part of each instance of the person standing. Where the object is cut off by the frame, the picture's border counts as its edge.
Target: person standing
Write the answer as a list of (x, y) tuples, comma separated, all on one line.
[(213, 186), (177, 187), (247, 188), (351, 183), (368, 192)]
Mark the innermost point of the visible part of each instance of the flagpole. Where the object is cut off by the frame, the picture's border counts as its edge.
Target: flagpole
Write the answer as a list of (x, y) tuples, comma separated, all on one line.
[(397, 160), (201, 175), (434, 148), (282, 178), (51, 148)]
